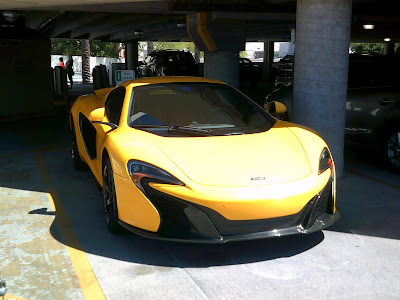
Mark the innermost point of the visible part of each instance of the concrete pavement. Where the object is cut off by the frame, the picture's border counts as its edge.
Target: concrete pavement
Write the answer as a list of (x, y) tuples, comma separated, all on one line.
[(357, 258)]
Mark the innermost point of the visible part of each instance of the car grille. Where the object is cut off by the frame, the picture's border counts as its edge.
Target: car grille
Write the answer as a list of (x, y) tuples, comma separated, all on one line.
[(325, 201), (174, 222)]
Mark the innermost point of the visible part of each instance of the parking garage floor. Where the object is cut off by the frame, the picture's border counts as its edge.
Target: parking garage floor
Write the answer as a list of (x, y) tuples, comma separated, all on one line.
[(55, 243)]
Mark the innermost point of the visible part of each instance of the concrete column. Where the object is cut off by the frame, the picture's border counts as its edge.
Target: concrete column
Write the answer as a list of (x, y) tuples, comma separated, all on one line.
[(222, 65), (268, 59), (388, 48), (321, 70), (132, 54)]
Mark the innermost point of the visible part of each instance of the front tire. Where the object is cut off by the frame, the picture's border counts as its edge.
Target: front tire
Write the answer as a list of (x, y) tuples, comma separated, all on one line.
[(110, 199), (391, 149)]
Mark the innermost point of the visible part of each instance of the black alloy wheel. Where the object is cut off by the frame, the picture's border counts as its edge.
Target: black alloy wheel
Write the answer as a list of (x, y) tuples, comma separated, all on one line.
[(391, 149), (110, 199)]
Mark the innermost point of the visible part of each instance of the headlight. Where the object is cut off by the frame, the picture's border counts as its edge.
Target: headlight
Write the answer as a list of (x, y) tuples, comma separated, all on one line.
[(325, 162), (138, 170)]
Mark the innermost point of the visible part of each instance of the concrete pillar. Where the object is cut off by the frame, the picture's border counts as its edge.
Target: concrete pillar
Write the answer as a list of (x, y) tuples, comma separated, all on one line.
[(268, 59), (388, 48), (321, 70), (222, 65), (132, 54)]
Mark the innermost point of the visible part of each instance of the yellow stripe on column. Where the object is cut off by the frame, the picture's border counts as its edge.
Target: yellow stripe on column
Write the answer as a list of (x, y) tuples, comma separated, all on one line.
[(203, 31)]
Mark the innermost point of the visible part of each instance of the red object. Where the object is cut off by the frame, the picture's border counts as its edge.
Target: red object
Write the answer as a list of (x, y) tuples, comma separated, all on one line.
[(62, 64)]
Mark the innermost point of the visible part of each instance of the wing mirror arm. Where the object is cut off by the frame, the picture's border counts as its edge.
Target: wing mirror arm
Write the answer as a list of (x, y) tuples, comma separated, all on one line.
[(112, 125), (97, 117)]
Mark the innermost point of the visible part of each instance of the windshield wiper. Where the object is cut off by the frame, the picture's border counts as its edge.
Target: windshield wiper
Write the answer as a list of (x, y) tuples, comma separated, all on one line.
[(177, 129), (189, 130), (149, 126)]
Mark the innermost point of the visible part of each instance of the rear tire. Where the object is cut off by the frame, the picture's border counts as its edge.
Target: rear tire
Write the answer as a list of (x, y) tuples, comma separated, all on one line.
[(110, 199), (391, 149)]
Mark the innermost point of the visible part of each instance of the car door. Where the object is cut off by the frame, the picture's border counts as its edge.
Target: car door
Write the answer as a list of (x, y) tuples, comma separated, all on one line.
[(113, 108), (369, 94)]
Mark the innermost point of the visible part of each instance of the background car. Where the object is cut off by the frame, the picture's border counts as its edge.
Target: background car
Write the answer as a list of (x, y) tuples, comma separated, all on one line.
[(284, 67), (372, 105), (193, 159), (249, 72), (168, 63)]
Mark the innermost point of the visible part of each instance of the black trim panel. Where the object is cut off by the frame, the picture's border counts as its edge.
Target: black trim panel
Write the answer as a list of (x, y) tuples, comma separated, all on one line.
[(188, 222), (88, 133)]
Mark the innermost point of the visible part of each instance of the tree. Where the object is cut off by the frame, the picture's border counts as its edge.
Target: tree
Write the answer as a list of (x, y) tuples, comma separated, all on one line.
[(104, 49), (73, 47), (65, 47), (85, 52)]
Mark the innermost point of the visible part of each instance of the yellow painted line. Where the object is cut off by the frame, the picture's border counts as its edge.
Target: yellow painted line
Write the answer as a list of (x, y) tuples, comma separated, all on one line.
[(42, 148), (87, 279), (88, 282), (373, 179), (203, 31), (43, 169), (12, 297)]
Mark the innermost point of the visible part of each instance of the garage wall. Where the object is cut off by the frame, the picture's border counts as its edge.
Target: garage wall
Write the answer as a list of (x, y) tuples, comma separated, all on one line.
[(25, 74)]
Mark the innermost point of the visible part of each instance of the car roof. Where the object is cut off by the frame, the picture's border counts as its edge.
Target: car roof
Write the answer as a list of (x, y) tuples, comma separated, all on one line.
[(168, 79)]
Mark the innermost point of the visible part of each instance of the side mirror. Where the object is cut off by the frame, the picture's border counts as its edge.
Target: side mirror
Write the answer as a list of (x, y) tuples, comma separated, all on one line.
[(97, 117), (276, 108)]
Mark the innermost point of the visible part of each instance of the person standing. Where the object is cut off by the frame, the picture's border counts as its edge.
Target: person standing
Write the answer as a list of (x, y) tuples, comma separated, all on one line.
[(61, 62), (70, 70)]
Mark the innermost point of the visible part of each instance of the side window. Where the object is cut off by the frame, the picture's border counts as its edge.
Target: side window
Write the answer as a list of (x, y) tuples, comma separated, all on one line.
[(114, 103)]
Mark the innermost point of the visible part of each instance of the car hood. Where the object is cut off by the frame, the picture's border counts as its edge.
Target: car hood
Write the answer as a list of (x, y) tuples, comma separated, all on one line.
[(270, 157)]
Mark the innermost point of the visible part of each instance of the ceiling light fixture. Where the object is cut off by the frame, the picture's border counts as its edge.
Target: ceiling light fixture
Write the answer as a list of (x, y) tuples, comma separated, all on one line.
[(387, 40), (368, 26)]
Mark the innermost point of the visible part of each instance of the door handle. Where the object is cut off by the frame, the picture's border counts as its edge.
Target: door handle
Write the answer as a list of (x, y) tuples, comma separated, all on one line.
[(385, 101)]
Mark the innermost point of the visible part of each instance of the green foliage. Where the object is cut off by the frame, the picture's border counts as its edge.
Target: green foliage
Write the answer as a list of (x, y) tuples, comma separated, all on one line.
[(397, 48), (73, 47), (65, 47), (371, 48), (368, 48), (104, 49), (243, 54), (174, 46)]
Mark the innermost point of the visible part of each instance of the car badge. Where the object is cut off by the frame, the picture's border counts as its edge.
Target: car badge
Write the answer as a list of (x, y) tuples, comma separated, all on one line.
[(257, 178)]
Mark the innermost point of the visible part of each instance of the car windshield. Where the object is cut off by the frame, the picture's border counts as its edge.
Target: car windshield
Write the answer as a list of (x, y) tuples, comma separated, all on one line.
[(216, 109)]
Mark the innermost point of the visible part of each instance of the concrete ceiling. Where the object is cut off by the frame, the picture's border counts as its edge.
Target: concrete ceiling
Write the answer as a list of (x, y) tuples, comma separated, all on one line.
[(117, 20)]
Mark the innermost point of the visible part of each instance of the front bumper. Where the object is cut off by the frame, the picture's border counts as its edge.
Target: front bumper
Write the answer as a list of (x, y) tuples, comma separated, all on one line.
[(184, 221)]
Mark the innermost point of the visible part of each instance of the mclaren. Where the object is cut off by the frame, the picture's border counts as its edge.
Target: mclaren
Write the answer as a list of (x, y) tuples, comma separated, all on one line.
[(193, 159)]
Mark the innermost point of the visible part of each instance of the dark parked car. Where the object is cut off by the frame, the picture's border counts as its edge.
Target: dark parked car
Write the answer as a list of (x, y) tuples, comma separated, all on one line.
[(372, 106), (168, 63), (249, 72), (284, 67)]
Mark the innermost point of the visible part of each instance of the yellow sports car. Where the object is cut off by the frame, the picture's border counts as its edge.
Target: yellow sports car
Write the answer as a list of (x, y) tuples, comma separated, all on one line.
[(193, 159)]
